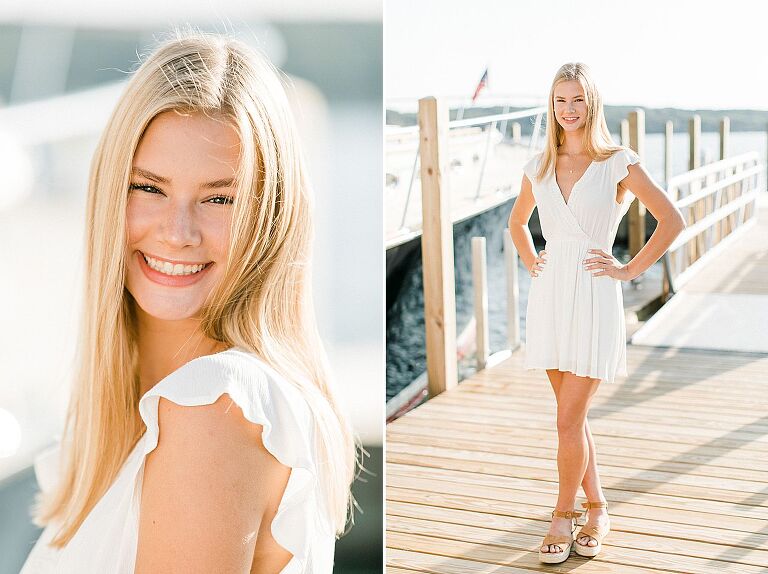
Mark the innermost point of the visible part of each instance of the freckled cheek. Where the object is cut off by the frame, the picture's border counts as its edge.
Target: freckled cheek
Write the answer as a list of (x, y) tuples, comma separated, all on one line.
[(215, 229), (135, 220), (139, 221)]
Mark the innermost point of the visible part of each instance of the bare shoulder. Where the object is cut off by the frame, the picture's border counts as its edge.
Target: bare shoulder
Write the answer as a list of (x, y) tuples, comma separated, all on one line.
[(220, 425), (207, 487)]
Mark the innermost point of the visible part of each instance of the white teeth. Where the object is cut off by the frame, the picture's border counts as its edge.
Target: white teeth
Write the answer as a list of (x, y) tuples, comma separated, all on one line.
[(171, 269)]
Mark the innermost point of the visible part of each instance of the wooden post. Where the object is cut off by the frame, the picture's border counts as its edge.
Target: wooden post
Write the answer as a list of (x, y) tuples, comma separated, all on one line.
[(637, 131), (513, 292), (694, 142), (480, 294), (625, 132), (668, 140), (717, 200), (636, 234), (725, 131), (694, 161), (437, 248), (517, 132)]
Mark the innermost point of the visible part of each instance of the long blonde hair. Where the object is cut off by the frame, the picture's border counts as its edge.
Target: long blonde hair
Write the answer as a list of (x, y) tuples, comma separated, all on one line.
[(263, 302), (597, 139)]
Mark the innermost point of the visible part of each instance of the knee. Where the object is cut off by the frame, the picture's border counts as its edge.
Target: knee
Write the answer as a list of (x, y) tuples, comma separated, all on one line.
[(570, 423)]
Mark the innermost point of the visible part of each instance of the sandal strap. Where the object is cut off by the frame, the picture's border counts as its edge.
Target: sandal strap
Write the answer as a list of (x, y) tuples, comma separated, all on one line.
[(596, 504), (566, 513), (560, 540), (593, 531)]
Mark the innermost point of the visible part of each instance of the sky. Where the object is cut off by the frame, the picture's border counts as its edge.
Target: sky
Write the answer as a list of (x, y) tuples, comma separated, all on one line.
[(651, 53)]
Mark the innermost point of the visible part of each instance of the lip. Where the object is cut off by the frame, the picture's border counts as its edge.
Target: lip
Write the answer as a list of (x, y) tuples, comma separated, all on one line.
[(570, 121), (170, 280)]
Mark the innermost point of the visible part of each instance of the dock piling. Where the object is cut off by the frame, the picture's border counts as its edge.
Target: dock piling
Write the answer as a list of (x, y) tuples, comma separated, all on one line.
[(513, 292), (437, 248), (480, 295)]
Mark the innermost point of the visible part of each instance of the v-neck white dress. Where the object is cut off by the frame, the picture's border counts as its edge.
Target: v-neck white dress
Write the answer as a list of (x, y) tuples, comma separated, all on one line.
[(106, 542), (574, 320)]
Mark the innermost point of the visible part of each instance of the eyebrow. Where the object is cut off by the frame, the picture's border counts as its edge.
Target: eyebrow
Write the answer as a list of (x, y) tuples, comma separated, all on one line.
[(224, 182)]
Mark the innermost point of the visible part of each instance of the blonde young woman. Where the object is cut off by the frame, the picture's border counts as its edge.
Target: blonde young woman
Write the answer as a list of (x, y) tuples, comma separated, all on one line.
[(581, 185), (202, 434)]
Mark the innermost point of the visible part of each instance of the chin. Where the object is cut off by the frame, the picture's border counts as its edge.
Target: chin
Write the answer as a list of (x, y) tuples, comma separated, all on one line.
[(168, 306), (167, 303), (166, 310)]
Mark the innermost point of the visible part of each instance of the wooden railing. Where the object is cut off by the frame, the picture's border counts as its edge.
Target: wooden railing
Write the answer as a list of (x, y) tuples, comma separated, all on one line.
[(718, 204)]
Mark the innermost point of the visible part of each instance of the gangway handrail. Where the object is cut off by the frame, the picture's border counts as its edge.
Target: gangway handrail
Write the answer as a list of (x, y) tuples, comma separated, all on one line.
[(716, 213)]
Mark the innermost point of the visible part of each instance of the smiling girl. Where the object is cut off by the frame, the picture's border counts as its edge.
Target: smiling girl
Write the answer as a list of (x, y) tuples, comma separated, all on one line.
[(202, 433), (581, 186)]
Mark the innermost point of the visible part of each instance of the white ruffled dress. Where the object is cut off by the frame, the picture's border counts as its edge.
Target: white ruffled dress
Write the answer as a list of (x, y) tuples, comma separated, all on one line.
[(107, 540), (574, 320)]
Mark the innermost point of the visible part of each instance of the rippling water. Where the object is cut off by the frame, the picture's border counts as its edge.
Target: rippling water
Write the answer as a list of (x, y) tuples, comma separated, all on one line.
[(406, 356)]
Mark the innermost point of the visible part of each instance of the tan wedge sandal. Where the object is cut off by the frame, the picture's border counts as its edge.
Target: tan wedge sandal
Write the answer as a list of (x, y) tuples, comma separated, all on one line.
[(564, 541), (593, 531)]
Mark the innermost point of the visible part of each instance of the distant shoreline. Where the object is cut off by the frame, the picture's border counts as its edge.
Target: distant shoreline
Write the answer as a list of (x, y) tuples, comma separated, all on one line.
[(655, 118)]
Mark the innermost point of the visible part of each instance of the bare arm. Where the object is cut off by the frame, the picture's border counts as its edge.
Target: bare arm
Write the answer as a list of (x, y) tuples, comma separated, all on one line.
[(207, 487), (518, 224), (670, 220)]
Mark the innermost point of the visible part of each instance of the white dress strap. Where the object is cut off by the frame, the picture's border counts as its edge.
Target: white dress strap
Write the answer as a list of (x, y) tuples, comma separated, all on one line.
[(622, 159), (531, 166)]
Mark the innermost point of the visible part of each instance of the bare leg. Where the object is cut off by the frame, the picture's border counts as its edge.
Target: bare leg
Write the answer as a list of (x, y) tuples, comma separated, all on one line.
[(573, 397), (594, 492), (591, 482)]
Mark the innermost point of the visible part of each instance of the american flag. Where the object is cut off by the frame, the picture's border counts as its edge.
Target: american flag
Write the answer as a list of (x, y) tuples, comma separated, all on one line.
[(483, 83)]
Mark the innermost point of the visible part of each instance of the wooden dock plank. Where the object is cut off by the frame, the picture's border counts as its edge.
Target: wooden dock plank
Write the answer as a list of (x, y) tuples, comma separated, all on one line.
[(683, 456), (517, 548), (533, 443)]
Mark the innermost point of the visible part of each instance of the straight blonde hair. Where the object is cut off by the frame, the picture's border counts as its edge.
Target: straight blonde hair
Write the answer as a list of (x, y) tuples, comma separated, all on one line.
[(597, 139), (263, 302)]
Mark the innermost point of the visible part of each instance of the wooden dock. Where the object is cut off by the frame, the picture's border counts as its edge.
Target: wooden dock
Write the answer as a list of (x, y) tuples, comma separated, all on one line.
[(682, 441), (682, 448)]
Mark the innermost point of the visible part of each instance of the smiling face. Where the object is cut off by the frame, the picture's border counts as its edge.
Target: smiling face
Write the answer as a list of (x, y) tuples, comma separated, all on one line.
[(179, 213), (570, 105)]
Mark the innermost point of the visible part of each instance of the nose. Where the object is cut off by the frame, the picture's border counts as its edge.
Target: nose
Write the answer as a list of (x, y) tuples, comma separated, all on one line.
[(180, 227)]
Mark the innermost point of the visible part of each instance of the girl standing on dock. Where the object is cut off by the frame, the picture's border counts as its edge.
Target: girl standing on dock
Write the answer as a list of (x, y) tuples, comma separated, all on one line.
[(581, 185), (202, 433)]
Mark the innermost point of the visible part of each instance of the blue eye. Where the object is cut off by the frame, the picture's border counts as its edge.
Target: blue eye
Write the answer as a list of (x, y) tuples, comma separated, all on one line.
[(144, 187), (217, 200), (222, 200)]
